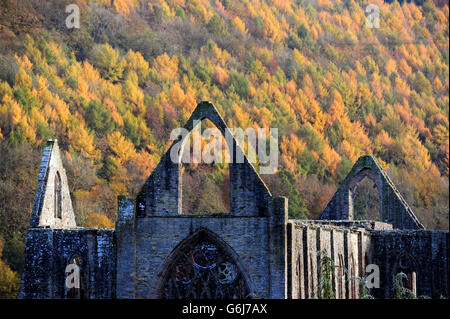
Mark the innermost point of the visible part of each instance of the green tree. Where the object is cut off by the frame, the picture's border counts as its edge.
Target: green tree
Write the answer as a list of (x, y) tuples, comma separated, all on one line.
[(109, 62), (240, 84), (99, 118), (297, 203), (217, 26), (9, 280)]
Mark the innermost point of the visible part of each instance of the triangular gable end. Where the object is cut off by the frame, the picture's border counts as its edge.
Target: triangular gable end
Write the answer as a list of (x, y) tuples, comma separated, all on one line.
[(161, 194), (52, 203), (393, 207)]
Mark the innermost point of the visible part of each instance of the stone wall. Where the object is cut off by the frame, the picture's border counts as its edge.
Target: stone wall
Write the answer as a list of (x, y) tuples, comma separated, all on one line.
[(145, 246), (347, 248), (254, 230), (393, 208), (48, 252), (424, 253), (156, 238)]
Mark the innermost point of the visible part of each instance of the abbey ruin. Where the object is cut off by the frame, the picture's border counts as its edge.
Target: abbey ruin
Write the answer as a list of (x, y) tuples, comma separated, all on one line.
[(254, 250)]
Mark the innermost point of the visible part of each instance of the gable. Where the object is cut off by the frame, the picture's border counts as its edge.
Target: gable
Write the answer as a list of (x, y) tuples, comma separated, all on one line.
[(161, 194), (52, 203), (393, 207)]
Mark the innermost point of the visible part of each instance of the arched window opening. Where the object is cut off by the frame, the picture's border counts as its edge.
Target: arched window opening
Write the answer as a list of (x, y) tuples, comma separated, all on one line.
[(203, 269), (76, 279), (366, 200), (205, 178), (57, 196)]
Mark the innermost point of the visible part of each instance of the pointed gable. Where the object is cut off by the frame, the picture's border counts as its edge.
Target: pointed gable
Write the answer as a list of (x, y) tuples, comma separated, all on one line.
[(161, 195), (393, 207), (52, 203)]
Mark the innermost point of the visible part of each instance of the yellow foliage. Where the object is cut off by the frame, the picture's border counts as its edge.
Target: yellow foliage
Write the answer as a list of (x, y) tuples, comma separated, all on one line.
[(24, 62), (54, 95), (177, 95), (440, 134), (123, 7), (385, 140), (23, 79), (9, 281), (121, 147), (437, 85), (62, 109), (336, 111), (199, 10), (19, 117), (414, 154), (221, 76), (144, 162), (190, 100), (83, 142), (239, 25), (404, 67), (133, 93), (138, 64), (300, 58), (98, 221), (291, 88), (5, 89), (331, 157), (166, 67), (348, 151), (391, 66)]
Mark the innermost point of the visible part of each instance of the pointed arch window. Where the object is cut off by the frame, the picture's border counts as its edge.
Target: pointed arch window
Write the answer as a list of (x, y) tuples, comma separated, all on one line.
[(58, 196), (202, 268), (365, 196)]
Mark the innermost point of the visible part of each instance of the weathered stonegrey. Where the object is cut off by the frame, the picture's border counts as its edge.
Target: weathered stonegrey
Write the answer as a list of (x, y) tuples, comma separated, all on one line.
[(425, 253), (49, 251), (161, 194), (52, 242), (277, 257), (393, 208), (44, 210)]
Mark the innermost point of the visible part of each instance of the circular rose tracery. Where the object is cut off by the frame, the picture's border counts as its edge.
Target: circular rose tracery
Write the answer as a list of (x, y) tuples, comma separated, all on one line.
[(204, 271), (204, 256)]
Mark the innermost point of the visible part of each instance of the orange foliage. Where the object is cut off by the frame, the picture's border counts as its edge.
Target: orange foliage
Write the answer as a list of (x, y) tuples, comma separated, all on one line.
[(98, 221)]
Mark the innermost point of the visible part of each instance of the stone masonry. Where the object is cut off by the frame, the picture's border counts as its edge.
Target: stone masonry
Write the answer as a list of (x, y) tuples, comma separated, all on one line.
[(158, 251)]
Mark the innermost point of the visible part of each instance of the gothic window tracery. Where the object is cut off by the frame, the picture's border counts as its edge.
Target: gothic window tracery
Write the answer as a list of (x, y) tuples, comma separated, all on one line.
[(204, 271)]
